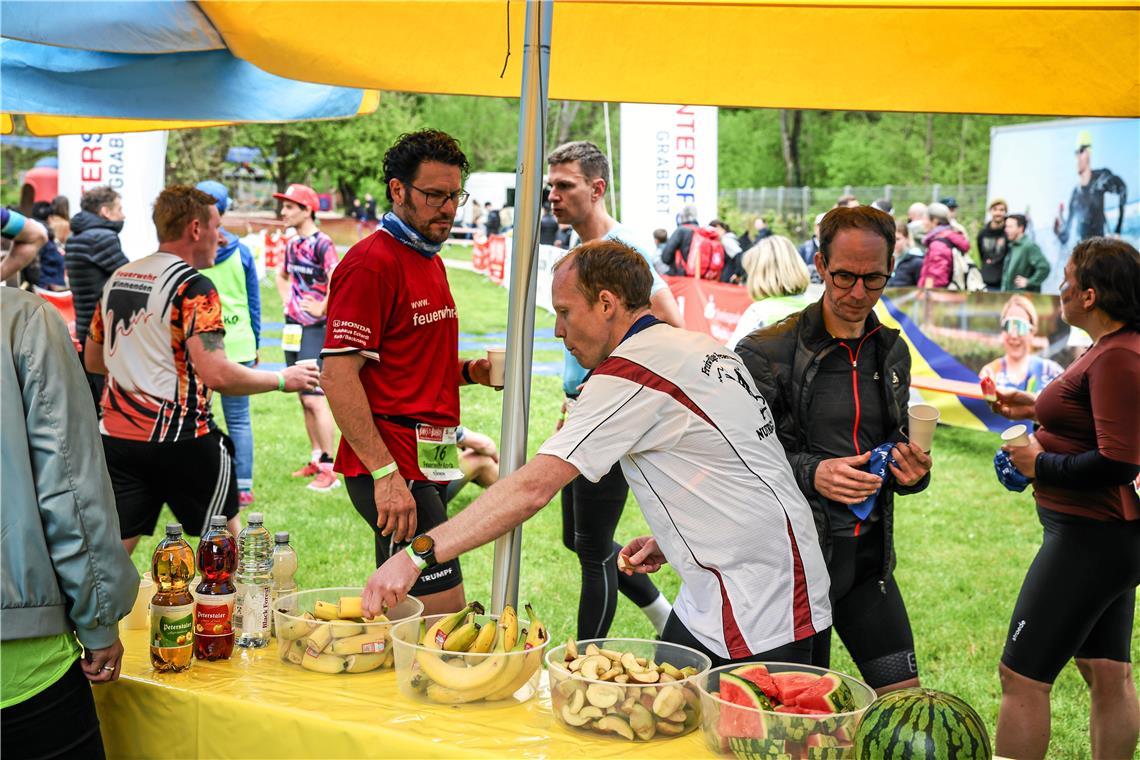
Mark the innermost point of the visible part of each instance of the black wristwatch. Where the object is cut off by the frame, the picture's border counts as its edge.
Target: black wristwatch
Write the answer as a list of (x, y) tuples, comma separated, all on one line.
[(422, 551)]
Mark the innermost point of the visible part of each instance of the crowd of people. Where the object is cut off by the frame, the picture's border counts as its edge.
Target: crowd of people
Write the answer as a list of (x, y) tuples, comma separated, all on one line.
[(768, 471)]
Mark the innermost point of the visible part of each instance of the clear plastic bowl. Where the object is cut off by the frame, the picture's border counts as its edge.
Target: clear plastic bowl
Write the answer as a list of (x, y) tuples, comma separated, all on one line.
[(462, 678), (631, 711), (732, 729), (335, 646)]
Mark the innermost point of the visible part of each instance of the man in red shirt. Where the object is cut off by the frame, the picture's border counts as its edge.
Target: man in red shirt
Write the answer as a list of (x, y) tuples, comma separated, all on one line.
[(391, 363)]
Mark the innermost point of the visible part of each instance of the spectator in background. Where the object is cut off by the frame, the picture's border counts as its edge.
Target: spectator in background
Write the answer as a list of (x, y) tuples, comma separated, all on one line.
[(234, 274), (93, 254), (659, 238), (478, 460), (940, 241), (677, 246), (908, 258), (733, 271), (883, 205), (776, 278), (358, 213), (1020, 368), (808, 249), (59, 220), (27, 236), (847, 201), (565, 238), (1025, 266), (951, 204), (916, 220), (993, 245), (370, 217), (50, 274), (67, 580), (303, 283), (547, 226), (760, 231), (491, 219)]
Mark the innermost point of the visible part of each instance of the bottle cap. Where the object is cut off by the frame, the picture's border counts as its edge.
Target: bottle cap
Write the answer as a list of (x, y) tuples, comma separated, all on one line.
[(256, 518), (218, 521), (281, 537), (174, 529)]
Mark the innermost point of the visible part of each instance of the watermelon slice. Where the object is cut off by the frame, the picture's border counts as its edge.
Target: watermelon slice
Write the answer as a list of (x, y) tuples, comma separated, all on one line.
[(830, 694), (799, 710), (759, 675), (790, 683), (741, 718), (755, 749)]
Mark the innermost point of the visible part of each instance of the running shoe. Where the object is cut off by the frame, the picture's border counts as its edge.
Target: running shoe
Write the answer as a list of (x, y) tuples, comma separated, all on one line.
[(326, 479), (309, 470), (245, 498)]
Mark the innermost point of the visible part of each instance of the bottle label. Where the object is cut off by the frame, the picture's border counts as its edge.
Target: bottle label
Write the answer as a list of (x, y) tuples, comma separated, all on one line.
[(214, 615), (251, 615), (171, 627)]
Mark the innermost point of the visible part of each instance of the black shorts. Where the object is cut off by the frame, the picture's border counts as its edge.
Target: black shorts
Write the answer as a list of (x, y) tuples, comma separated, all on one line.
[(196, 478), (1078, 598), (797, 651), (431, 510), (870, 618), (312, 341)]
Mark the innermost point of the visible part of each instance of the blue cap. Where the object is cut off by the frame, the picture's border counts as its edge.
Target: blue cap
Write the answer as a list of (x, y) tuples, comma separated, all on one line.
[(219, 191)]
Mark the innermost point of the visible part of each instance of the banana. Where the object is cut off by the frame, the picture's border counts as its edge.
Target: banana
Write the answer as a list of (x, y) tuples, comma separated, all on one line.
[(509, 622), (318, 639), (485, 641), (296, 651), (326, 611), (508, 672), (439, 630), (366, 643), (533, 644), (462, 637), (323, 663), (295, 629), (362, 663), (350, 607), (461, 679), (341, 629)]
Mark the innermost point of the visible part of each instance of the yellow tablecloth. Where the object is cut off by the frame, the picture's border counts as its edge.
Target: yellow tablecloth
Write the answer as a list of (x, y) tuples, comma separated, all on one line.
[(255, 706)]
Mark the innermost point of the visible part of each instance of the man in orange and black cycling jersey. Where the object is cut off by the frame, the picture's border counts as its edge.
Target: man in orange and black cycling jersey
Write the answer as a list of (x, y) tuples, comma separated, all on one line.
[(838, 384)]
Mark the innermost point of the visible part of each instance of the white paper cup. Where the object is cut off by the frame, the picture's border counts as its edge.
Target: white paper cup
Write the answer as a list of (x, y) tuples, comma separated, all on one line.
[(923, 420), (497, 355), (139, 615), (306, 362), (1015, 436)]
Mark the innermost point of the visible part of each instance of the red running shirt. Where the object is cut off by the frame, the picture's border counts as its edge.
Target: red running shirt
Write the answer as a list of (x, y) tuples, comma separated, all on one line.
[(394, 307)]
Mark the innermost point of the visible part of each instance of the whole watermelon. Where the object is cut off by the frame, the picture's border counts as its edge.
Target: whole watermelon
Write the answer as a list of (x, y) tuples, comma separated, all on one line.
[(921, 724)]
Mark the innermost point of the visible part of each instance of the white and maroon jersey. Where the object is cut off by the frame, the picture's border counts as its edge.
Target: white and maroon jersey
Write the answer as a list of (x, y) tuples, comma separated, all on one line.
[(149, 309), (698, 446), (393, 306)]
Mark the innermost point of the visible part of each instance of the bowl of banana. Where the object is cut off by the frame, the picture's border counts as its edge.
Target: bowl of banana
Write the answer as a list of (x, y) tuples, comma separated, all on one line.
[(468, 657), (324, 630), (630, 689)]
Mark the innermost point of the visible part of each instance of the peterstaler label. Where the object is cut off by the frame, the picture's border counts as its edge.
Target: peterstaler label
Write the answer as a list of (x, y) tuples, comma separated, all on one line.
[(214, 615), (171, 626)]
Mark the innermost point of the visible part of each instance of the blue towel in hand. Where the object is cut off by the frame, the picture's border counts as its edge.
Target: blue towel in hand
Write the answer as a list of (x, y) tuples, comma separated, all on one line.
[(1008, 475), (880, 458)]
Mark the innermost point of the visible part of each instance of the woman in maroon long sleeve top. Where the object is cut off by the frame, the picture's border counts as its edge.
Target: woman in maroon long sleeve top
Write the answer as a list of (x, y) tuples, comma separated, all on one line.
[(1079, 595)]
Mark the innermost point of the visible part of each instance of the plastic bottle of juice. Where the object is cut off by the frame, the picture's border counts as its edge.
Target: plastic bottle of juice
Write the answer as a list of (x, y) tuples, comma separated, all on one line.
[(254, 583), (284, 567), (214, 611), (172, 606)]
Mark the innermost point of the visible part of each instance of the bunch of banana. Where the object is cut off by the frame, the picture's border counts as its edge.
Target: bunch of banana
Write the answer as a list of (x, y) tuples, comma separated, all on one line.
[(448, 675), (335, 638), (620, 693)]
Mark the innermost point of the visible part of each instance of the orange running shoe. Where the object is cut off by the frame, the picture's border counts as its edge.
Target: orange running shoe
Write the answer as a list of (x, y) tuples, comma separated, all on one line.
[(309, 470), (326, 479)]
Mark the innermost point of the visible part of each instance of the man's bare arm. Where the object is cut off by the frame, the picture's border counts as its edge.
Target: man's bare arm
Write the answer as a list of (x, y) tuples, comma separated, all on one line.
[(93, 357), (340, 380), (664, 307), (500, 508), (284, 286), (208, 355)]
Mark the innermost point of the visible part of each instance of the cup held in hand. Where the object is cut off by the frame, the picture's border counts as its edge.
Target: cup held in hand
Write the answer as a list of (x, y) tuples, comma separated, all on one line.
[(1015, 436), (497, 355), (923, 420)]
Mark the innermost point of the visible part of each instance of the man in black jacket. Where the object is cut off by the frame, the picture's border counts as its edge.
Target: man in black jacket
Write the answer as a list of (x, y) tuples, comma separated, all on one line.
[(838, 383), (93, 254), (993, 245), (679, 242)]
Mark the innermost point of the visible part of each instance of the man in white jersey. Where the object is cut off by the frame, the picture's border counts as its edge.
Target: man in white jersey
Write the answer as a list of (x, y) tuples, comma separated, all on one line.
[(696, 443)]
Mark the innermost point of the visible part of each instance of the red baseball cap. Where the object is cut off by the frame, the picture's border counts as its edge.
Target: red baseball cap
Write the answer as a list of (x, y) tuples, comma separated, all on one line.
[(302, 195)]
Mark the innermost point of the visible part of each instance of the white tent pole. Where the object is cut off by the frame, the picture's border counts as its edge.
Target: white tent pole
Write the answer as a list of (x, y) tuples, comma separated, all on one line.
[(520, 317), (610, 156)]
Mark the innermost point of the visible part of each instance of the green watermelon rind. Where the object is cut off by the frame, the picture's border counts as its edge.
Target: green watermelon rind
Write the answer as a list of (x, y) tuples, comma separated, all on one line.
[(761, 700), (894, 722), (757, 748), (839, 699)]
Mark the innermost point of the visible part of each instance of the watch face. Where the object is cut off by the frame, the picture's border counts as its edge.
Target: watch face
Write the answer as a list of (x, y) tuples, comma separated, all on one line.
[(422, 544)]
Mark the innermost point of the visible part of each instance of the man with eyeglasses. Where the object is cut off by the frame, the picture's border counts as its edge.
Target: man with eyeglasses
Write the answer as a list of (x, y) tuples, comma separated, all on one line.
[(838, 384), (391, 360)]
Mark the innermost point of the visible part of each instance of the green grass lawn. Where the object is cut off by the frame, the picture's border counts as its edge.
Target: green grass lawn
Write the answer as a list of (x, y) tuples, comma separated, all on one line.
[(963, 545)]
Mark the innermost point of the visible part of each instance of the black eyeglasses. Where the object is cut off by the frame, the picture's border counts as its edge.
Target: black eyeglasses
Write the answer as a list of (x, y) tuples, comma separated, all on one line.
[(435, 198), (871, 280)]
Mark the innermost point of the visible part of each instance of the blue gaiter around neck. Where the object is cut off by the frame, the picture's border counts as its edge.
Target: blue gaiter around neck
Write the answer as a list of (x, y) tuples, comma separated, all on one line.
[(396, 227)]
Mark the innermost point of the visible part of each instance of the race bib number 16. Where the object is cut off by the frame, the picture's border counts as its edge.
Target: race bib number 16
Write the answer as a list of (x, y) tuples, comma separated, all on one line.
[(437, 452)]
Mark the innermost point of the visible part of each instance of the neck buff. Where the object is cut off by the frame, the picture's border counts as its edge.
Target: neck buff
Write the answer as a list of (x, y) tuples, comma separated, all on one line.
[(396, 227)]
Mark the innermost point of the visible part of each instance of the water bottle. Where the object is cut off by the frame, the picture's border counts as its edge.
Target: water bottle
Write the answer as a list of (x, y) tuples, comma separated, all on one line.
[(254, 581), (284, 567)]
